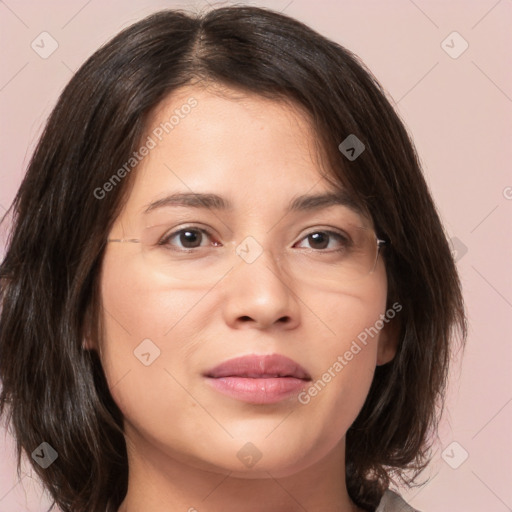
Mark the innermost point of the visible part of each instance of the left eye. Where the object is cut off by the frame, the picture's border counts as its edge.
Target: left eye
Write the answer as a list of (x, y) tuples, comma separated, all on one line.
[(321, 239)]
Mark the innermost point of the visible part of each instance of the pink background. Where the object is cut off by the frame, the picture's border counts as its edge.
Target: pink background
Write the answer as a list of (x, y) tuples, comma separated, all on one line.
[(459, 112)]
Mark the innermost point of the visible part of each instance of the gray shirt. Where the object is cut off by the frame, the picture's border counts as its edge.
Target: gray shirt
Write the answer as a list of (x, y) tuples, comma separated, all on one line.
[(392, 502)]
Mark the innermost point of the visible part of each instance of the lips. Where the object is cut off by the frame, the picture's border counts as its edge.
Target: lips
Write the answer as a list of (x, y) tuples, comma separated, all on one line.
[(259, 367), (258, 379)]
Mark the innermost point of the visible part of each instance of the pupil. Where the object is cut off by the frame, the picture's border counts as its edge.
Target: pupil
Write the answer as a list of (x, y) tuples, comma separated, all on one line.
[(189, 238), (319, 239)]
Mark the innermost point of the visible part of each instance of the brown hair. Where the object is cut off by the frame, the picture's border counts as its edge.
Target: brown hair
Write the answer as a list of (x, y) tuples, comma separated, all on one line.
[(55, 391)]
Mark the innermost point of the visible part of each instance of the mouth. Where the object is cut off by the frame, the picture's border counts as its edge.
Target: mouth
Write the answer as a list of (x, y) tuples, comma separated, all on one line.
[(258, 379)]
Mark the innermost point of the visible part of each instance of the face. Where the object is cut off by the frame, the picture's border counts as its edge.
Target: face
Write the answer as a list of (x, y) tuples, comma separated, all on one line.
[(189, 284)]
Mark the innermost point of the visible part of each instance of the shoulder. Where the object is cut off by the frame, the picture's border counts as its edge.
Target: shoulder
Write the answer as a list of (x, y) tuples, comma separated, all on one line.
[(392, 502)]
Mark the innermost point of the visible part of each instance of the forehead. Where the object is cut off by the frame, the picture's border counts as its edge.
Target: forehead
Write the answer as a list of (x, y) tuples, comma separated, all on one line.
[(228, 129), (256, 152)]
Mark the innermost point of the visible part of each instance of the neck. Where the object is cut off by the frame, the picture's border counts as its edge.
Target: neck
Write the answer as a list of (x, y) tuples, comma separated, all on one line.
[(159, 483)]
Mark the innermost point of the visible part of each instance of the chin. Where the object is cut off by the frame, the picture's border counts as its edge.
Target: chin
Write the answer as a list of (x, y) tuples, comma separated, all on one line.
[(260, 460), (279, 467)]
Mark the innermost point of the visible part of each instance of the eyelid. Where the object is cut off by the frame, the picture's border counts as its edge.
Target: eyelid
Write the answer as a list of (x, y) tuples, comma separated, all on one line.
[(326, 229)]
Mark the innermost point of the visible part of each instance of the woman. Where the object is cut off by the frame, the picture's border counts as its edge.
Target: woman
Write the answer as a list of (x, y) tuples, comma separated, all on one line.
[(226, 286)]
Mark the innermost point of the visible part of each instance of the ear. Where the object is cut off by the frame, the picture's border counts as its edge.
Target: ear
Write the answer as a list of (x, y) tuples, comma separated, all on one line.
[(89, 341), (89, 344), (388, 341)]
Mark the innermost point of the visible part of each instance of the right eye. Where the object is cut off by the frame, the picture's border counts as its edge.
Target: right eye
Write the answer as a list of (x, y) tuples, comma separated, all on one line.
[(186, 239)]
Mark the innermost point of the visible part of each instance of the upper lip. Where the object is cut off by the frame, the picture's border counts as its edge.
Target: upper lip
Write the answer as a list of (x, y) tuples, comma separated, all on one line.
[(259, 366)]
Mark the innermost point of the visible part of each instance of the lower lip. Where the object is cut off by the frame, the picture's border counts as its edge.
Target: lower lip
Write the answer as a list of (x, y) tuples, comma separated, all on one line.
[(258, 391)]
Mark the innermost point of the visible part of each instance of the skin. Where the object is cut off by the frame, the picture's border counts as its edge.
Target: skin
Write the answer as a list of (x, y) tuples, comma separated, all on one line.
[(182, 435)]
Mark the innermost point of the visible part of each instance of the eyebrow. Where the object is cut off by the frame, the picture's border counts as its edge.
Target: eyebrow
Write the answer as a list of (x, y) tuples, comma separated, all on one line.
[(215, 202)]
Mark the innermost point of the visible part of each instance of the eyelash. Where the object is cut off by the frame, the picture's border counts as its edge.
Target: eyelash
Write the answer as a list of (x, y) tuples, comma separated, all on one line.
[(345, 240)]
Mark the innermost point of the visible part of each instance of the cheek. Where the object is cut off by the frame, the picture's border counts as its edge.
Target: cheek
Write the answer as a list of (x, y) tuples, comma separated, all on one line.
[(146, 347), (139, 305), (345, 357), (137, 301), (147, 329)]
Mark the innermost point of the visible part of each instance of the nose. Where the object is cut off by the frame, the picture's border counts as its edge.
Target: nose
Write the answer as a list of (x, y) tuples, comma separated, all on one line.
[(259, 294)]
